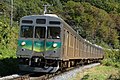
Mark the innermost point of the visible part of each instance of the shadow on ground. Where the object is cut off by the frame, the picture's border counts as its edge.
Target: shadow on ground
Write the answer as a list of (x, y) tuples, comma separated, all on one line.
[(8, 66), (85, 77)]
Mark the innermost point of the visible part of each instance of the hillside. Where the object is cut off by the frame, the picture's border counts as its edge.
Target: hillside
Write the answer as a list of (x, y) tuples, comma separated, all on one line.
[(97, 20)]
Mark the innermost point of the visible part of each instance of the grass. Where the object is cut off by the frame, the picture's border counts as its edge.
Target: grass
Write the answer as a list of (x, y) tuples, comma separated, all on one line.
[(99, 73)]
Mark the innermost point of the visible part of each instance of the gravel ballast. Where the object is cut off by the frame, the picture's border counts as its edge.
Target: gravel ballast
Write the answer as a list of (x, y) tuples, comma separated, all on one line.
[(72, 73)]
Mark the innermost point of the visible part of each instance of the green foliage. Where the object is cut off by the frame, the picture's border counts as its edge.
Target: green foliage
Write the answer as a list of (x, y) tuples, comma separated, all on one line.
[(97, 20), (5, 8), (23, 8), (8, 40), (107, 5), (112, 58), (99, 73), (113, 54), (94, 24)]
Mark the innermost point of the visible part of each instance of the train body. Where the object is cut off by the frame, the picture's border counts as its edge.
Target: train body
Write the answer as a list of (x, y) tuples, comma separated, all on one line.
[(47, 43)]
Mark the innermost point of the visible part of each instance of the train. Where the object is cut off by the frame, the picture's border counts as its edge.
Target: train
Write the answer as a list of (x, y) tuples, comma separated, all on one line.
[(47, 44)]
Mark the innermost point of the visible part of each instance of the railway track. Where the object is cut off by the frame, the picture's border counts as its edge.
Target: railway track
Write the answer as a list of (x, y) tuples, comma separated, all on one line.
[(46, 76)]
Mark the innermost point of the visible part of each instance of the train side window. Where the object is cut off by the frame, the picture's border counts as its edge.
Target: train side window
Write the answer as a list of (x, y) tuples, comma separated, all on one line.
[(91, 49), (78, 44), (75, 44), (64, 37), (88, 48), (39, 32), (94, 50), (68, 38), (71, 40), (99, 51), (84, 47), (53, 33)]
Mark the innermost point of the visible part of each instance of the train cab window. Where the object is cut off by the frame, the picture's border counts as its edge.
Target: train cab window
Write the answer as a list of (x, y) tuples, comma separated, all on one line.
[(26, 31), (53, 33), (39, 32)]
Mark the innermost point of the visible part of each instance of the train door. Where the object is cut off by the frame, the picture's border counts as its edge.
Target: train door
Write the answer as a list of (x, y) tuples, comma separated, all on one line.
[(39, 40)]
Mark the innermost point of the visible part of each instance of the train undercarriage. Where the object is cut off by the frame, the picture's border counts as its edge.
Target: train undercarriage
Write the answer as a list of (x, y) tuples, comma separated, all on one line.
[(36, 64)]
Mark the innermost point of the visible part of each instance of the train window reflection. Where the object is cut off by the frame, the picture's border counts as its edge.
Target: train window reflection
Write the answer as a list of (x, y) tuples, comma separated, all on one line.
[(39, 32), (26, 31), (53, 33)]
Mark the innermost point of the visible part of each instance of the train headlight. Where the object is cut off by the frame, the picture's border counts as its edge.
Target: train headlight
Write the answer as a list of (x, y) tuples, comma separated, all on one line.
[(55, 45), (23, 43)]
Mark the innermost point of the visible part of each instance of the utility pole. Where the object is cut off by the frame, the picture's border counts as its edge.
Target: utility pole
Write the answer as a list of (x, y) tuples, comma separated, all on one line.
[(11, 16)]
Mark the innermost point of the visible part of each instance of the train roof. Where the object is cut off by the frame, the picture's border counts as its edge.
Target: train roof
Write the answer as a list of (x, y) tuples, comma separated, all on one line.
[(47, 15)]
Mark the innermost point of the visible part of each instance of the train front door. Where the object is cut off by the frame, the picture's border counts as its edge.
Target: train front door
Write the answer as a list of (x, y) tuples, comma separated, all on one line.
[(39, 40)]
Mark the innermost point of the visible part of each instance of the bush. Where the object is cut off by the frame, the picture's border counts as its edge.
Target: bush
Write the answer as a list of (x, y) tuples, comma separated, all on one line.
[(112, 58), (107, 62), (8, 40), (8, 45)]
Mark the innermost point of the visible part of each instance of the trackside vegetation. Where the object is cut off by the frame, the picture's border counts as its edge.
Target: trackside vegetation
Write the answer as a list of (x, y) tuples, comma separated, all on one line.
[(8, 41), (99, 73), (109, 70), (112, 58), (98, 21)]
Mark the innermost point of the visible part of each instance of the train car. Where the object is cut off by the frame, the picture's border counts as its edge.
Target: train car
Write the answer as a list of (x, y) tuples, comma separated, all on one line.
[(47, 43)]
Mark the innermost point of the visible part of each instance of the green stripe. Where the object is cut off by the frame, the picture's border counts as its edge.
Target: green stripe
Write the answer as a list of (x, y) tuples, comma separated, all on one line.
[(39, 45)]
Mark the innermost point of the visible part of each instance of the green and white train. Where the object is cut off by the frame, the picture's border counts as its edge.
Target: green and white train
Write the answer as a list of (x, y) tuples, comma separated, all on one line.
[(47, 43)]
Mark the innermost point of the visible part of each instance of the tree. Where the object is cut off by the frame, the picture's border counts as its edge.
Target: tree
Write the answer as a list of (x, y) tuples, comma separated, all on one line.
[(96, 24)]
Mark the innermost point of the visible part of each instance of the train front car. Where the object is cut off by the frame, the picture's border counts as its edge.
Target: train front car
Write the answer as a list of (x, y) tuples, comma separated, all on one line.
[(39, 43)]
